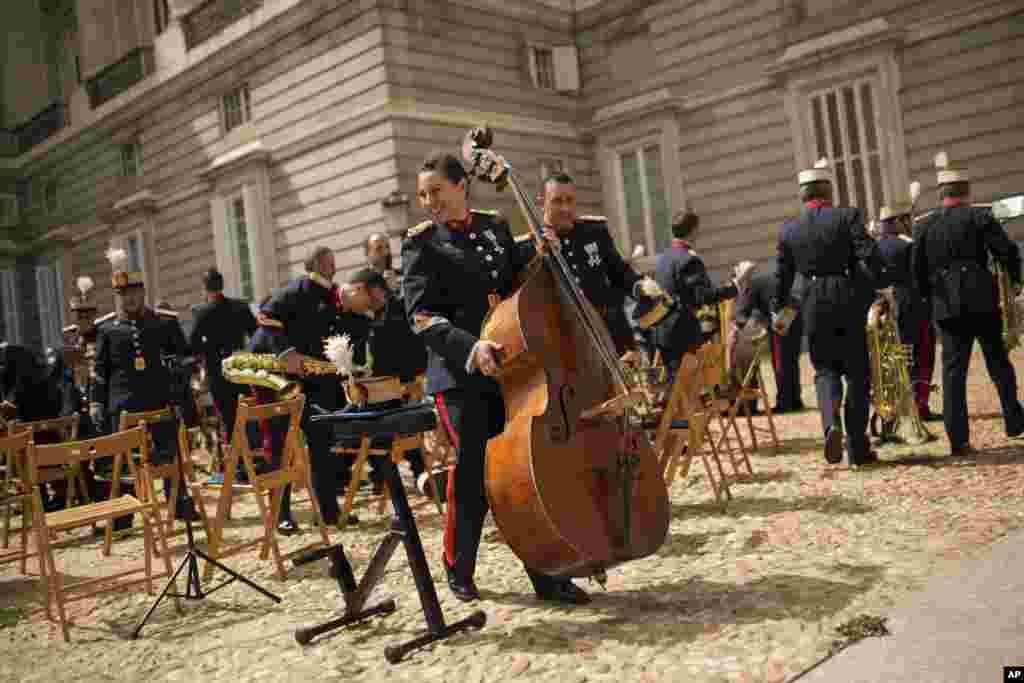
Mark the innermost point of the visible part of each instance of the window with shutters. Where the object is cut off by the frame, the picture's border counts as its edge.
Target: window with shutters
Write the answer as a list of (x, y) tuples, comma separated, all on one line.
[(50, 300), (11, 306), (643, 198), (554, 67), (241, 254), (131, 159), (845, 129), (235, 108)]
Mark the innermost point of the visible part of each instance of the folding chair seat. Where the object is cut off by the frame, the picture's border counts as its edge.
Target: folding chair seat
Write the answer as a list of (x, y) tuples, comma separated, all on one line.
[(167, 471), (120, 446), (681, 432), (267, 487)]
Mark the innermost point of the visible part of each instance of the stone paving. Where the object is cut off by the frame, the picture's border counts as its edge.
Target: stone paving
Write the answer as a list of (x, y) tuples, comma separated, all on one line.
[(750, 593)]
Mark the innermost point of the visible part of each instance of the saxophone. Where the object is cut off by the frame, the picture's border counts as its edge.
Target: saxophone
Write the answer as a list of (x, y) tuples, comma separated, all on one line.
[(268, 371), (892, 396)]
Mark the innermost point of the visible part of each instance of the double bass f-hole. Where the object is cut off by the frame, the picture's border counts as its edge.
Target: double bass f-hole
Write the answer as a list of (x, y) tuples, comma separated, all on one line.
[(560, 430)]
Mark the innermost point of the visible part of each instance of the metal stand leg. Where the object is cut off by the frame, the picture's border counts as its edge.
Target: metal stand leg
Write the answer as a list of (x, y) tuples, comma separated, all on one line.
[(403, 529), (193, 587)]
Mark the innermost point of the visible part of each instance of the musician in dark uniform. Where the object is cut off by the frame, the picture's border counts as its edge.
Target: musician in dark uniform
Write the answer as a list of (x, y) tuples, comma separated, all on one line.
[(451, 264), (297, 320), (220, 328), (600, 271), (895, 246), (756, 302), (681, 273), (378, 258), (80, 350), (841, 266), (134, 347), (951, 252), (394, 350)]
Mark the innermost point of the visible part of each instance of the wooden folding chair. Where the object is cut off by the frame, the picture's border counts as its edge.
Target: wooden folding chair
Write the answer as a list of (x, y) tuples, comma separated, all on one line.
[(751, 388), (267, 488), (715, 389), (378, 390), (685, 420), (120, 446), (67, 427), (14, 491), (162, 471)]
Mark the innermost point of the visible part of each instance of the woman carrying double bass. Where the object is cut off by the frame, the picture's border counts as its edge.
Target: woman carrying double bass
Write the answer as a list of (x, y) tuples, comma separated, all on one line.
[(451, 264)]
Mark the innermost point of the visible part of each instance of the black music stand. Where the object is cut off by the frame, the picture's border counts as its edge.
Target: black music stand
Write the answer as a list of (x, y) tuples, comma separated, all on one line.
[(185, 509), (403, 530)]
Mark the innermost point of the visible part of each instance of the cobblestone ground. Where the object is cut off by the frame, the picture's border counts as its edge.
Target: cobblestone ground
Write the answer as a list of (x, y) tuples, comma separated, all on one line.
[(749, 593)]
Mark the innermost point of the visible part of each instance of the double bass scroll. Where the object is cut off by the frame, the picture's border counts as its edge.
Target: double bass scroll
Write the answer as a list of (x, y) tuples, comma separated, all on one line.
[(571, 495)]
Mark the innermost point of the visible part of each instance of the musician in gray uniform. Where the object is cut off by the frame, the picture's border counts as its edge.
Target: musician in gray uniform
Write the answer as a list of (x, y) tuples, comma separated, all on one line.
[(951, 252), (830, 247)]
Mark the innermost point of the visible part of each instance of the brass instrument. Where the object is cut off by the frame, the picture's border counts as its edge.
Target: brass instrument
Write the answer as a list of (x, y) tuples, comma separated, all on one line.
[(892, 396), (1008, 307), (268, 371)]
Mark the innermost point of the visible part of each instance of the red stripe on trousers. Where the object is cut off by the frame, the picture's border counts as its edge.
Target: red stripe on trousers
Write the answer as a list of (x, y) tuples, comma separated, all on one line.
[(777, 355), (449, 527)]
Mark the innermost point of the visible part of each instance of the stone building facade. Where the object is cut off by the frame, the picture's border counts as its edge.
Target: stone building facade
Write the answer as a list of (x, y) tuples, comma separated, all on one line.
[(242, 133)]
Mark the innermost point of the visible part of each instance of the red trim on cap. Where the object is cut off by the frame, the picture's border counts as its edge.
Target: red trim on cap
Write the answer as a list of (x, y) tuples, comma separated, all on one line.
[(819, 204), (949, 202), (682, 244)]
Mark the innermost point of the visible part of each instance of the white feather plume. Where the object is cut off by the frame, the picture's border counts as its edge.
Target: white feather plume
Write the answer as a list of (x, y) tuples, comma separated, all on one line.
[(118, 258), (821, 163), (941, 160), (339, 351), (84, 284), (915, 191)]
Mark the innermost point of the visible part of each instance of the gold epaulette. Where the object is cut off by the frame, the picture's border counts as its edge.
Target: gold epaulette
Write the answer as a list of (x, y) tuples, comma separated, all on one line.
[(486, 212), (593, 219), (418, 229), (906, 238), (524, 237), (165, 312), (105, 318), (70, 329)]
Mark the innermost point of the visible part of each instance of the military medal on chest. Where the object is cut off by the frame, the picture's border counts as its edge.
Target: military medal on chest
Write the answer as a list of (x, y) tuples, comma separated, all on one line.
[(593, 257), (489, 234), (140, 361)]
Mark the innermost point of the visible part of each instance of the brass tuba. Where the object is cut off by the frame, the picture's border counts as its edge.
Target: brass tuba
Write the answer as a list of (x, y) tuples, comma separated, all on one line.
[(892, 396), (1008, 307)]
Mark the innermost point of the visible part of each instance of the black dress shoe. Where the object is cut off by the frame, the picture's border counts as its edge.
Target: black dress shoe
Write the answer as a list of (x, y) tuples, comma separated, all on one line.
[(466, 591), (869, 458), (564, 592), (965, 451), (833, 446), (287, 527)]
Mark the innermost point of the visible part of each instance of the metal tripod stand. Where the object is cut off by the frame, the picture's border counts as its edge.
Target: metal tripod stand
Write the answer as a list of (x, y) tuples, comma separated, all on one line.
[(185, 509)]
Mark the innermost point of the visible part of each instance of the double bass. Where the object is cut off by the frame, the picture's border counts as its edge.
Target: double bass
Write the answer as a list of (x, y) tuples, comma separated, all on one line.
[(574, 485)]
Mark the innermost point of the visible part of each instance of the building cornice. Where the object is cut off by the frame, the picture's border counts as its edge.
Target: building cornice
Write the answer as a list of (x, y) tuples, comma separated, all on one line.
[(963, 18), (809, 53), (235, 160), (664, 101), (141, 202)]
